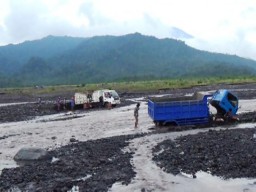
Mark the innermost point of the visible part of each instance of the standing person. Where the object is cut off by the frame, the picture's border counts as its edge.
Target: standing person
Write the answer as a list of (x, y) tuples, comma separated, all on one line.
[(58, 104), (39, 102), (101, 101), (64, 103), (72, 103), (136, 114)]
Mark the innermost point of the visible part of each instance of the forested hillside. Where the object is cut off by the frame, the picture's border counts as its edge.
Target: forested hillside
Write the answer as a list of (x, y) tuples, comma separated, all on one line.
[(13, 57), (67, 60)]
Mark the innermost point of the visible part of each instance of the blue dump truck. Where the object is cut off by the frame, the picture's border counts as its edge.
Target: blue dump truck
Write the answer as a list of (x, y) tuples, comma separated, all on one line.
[(191, 110)]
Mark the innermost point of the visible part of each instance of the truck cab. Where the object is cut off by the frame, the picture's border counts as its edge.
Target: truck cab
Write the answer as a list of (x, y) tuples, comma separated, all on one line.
[(108, 96), (224, 101)]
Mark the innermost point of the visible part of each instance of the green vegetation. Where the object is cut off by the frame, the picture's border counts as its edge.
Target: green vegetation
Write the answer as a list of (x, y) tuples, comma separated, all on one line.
[(132, 86), (137, 86), (104, 59)]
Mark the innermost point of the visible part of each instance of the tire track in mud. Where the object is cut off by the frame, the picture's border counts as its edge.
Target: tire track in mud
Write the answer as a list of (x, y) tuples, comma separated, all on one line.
[(152, 177), (148, 177)]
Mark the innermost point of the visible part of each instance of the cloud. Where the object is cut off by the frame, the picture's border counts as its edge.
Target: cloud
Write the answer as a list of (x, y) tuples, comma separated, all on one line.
[(93, 15), (221, 26), (23, 20)]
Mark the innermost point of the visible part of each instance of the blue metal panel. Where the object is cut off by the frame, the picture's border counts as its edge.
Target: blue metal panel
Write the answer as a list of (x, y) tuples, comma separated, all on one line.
[(224, 101), (181, 112)]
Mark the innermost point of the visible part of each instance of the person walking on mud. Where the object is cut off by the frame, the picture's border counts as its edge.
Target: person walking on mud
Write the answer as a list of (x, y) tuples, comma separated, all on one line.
[(136, 115)]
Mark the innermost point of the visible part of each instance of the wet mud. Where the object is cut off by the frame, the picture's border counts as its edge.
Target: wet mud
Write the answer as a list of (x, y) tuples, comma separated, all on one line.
[(96, 165), (225, 153), (30, 110), (89, 166)]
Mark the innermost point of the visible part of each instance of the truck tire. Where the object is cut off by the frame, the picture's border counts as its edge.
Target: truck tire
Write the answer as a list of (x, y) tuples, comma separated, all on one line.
[(158, 123)]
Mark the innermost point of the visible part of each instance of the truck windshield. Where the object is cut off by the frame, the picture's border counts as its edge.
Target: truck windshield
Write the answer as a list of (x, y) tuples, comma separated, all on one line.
[(114, 94), (233, 100)]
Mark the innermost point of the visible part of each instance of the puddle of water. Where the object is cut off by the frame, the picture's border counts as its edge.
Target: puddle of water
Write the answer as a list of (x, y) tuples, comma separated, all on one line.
[(8, 104), (162, 95), (7, 164), (74, 189), (215, 183)]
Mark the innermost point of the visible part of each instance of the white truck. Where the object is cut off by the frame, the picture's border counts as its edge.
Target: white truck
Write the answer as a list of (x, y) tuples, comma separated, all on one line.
[(81, 98), (99, 97), (108, 96)]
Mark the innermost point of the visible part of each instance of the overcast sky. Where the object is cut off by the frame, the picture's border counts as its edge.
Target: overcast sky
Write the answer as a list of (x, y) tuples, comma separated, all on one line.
[(224, 26)]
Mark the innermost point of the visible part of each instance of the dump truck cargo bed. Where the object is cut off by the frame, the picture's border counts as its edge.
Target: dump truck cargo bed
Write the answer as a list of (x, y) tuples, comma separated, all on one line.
[(180, 111)]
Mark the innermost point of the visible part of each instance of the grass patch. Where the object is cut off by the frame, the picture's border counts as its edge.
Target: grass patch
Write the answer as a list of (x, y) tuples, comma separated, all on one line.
[(131, 86)]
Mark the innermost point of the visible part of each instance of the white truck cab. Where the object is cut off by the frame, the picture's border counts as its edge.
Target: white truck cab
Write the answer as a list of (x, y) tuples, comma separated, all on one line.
[(108, 96)]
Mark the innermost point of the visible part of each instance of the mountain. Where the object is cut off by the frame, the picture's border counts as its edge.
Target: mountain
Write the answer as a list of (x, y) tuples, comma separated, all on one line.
[(13, 57), (177, 33), (68, 60)]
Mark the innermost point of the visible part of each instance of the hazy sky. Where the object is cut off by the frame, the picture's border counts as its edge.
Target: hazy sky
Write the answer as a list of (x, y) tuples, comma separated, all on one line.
[(225, 26)]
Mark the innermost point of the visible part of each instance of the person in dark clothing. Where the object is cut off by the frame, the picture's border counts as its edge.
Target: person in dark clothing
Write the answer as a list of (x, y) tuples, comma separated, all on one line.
[(136, 114), (101, 101), (72, 104), (65, 103), (58, 103)]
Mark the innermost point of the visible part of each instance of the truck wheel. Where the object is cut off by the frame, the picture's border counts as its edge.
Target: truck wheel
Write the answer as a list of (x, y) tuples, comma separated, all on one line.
[(108, 105), (158, 123)]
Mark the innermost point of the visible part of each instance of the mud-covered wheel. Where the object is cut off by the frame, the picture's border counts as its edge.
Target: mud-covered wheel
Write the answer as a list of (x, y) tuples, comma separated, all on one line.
[(158, 123), (106, 104)]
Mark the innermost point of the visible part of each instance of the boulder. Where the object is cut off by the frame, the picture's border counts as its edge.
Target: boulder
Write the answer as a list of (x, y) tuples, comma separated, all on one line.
[(31, 154)]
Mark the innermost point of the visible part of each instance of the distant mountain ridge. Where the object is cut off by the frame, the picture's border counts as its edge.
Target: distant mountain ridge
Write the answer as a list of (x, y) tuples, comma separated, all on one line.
[(179, 34), (69, 60), (12, 57)]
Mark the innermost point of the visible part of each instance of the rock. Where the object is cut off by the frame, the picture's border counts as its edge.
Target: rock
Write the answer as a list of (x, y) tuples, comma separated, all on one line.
[(31, 154), (73, 140)]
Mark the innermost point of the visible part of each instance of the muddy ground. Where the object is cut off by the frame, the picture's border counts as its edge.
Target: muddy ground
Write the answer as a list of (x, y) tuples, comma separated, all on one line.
[(30, 109), (225, 153), (92, 165), (95, 165)]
